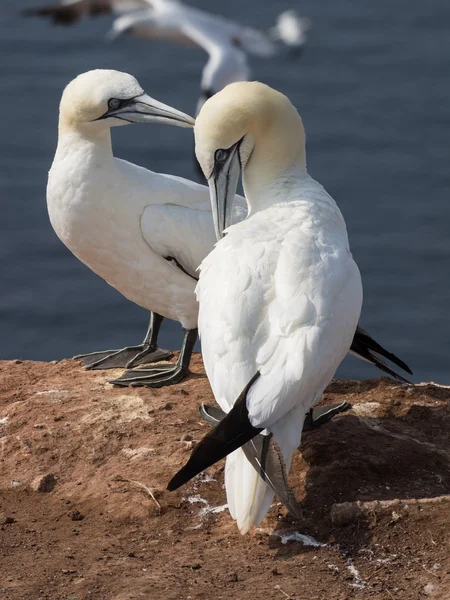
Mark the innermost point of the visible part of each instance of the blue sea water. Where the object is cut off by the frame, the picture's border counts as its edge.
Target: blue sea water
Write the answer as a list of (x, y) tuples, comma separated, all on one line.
[(373, 88)]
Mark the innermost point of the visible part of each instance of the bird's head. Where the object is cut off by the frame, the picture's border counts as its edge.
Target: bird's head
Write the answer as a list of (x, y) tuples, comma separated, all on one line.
[(100, 99), (249, 127)]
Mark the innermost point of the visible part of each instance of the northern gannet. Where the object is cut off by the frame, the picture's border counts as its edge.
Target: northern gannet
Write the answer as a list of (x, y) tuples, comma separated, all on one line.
[(143, 232), (67, 12), (280, 295)]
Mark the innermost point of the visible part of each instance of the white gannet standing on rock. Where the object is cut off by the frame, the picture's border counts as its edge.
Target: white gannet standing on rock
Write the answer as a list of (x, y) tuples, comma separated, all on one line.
[(280, 296), (143, 232)]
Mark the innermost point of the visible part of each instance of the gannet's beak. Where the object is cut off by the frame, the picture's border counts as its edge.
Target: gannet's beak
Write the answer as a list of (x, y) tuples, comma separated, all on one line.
[(222, 187), (144, 109)]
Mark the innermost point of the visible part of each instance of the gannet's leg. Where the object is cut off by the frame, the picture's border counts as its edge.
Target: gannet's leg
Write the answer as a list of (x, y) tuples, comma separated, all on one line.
[(131, 356), (162, 375), (323, 414)]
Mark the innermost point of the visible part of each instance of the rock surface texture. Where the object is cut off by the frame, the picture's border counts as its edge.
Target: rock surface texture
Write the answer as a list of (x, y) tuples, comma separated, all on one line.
[(84, 513)]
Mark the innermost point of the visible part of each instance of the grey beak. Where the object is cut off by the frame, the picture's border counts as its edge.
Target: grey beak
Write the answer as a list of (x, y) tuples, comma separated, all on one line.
[(144, 109), (222, 187)]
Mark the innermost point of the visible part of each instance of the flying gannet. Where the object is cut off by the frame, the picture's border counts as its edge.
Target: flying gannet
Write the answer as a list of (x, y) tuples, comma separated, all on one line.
[(143, 232), (280, 295), (167, 15)]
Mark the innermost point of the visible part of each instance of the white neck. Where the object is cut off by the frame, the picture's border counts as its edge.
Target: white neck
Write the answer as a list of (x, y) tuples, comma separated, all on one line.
[(96, 143)]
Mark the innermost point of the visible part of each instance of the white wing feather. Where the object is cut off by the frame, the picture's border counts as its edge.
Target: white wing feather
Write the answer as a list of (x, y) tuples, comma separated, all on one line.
[(177, 220)]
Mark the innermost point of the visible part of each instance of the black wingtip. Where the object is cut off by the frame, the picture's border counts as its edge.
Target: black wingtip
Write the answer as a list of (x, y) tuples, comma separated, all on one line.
[(364, 345), (401, 364), (233, 431), (375, 347), (380, 364), (178, 480)]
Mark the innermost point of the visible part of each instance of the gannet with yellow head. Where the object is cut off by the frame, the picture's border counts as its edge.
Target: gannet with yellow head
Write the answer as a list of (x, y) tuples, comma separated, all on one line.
[(280, 295)]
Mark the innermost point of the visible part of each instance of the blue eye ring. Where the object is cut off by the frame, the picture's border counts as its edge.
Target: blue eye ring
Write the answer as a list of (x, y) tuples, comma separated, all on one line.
[(220, 155), (114, 103)]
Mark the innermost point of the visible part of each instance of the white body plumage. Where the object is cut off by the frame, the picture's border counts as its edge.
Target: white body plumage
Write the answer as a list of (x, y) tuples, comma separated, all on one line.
[(122, 220), (280, 294)]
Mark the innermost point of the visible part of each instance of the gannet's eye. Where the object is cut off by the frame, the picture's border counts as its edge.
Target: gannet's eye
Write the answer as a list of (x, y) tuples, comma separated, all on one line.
[(114, 103), (220, 156)]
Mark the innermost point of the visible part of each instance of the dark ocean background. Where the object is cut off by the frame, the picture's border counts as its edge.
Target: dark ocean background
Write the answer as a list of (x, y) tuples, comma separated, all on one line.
[(373, 87)]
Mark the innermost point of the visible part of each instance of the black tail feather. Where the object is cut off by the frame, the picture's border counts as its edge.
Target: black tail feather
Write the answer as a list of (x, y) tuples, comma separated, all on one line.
[(366, 347), (230, 434)]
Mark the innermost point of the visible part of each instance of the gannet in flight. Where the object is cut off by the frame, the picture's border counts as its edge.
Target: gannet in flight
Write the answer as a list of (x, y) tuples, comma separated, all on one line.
[(143, 232), (280, 296), (167, 15)]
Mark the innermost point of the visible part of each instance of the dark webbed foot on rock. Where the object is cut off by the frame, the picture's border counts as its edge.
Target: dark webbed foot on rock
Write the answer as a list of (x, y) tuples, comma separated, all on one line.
[(131, 356), (128, 357), (162, 375), (323, 414)]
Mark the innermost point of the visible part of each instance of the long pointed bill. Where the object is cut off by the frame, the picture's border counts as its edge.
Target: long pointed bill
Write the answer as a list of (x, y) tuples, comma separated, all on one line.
[(144, 109), (222, 188)]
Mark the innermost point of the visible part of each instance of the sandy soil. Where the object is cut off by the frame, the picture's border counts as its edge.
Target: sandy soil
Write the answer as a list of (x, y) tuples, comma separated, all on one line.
[(80, 461)]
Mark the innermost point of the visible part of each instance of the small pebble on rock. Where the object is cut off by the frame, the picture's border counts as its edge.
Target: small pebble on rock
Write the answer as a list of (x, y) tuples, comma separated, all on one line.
[(75, 515), (44, 483)]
